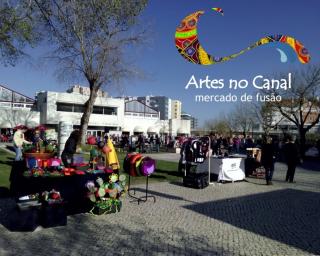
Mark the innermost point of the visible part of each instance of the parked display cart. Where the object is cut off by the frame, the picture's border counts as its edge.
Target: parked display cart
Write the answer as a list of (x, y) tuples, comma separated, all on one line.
[(200, 167)]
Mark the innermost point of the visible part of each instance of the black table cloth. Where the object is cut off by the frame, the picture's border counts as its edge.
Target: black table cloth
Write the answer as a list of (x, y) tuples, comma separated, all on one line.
[(72, 188)]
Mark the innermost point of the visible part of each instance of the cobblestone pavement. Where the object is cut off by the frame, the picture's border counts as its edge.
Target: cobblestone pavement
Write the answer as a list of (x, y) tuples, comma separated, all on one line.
[(242, 218)]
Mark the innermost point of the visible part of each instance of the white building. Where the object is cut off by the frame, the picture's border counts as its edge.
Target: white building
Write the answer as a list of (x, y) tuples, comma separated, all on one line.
[(176, 109), (54, 107), (110, 115), (16, 109), (140, 118)]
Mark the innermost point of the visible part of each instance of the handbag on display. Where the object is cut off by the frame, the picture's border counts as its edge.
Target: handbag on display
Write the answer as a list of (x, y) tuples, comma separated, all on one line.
[(147, 166)]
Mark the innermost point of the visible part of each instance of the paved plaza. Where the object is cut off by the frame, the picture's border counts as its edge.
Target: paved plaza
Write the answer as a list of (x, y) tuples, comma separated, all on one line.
[(242, 218)]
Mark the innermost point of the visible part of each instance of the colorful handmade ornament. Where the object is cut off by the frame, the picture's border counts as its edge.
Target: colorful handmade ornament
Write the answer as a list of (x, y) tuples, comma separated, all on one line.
[(92, 140)]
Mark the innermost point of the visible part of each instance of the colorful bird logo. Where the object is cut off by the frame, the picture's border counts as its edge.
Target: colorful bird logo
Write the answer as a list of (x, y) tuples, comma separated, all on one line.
[(188, 45)]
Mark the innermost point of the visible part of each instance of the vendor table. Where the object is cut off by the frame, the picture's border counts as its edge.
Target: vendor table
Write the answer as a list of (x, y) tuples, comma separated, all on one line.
[(72, 188), (227, 169)]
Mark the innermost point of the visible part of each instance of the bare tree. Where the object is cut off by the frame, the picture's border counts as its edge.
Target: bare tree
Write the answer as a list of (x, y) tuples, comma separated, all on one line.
[(89, 40), (13, 117), (219, 126), (300, 105), (266, 115), (242, 118)]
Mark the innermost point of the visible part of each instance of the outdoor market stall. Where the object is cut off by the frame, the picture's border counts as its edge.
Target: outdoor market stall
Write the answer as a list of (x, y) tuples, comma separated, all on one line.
[(71, 187), (226, 169), (201, 167), (44, 187)]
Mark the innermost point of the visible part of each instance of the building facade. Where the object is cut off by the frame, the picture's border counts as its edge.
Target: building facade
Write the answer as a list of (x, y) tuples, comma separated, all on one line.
[(54, 107), (176, 109), (16, 109), (159, 103), (193, 120), (110, 115)]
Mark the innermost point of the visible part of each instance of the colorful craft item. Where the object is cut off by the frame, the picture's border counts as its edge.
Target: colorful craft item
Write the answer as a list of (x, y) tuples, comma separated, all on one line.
[(106, 150), (188, 45), (101, 144), (219, 10), (54, 162), (52, 197), (93, 153), (147, 166), (37, 172), (106, 196), (111, 157), (31, 162), (68, 171), (108, 170), (113, 178), (92, 140)]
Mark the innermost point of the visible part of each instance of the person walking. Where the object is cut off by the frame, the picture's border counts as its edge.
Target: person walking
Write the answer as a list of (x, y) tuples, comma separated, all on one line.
[(267, 159), (292, 158), (19, 140), (158, 143)]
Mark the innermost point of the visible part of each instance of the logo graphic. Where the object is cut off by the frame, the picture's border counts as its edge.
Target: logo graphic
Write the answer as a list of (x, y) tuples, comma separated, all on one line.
[(188, 45)]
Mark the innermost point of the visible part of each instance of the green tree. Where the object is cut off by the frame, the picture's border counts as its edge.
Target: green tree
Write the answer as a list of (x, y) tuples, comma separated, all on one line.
[(89, 40), (17, 29)]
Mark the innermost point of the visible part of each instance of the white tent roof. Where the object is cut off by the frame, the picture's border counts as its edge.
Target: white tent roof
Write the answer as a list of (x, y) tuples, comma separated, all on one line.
[(138, 129), (182, 131), (152, 130)]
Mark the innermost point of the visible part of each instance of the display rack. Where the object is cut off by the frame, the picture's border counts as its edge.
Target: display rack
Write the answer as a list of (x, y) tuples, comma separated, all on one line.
[(142, 199)]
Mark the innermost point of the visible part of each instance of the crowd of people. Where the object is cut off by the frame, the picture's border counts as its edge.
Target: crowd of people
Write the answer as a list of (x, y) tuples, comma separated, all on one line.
[(272, 149), (141, 142)]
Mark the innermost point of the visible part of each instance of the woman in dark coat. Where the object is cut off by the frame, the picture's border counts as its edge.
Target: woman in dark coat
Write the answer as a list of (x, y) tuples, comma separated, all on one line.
[(70, 148), (267, 159)]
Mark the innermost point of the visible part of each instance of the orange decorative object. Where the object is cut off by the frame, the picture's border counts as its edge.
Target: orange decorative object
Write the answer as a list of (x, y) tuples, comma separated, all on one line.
[(106, 150), (42, 156)]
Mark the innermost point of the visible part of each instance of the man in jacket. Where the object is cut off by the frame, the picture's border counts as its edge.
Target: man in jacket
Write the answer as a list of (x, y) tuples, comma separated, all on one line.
[(292, 157), (267, 159), (70, 148)]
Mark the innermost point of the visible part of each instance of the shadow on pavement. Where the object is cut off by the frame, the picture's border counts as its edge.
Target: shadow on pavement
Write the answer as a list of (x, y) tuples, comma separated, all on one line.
[(6, 162), (311, 165), (9, 147), (288, 216), (164, 195), (171, 173), (90, 235), (4, 192)]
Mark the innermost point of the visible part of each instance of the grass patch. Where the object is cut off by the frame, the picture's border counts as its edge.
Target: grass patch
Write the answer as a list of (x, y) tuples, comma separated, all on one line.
[(165, 172), (5, 168)]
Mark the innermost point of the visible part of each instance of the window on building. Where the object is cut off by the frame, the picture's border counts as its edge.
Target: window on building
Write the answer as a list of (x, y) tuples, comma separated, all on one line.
[(5, 104), (5, 94), (78, 108), (65, 107), (110, 111), (97, 110), (18, 98), (18, 105)]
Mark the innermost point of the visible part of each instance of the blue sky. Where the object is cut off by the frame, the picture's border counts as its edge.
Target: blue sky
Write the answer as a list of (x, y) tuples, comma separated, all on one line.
[(167, 73)]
